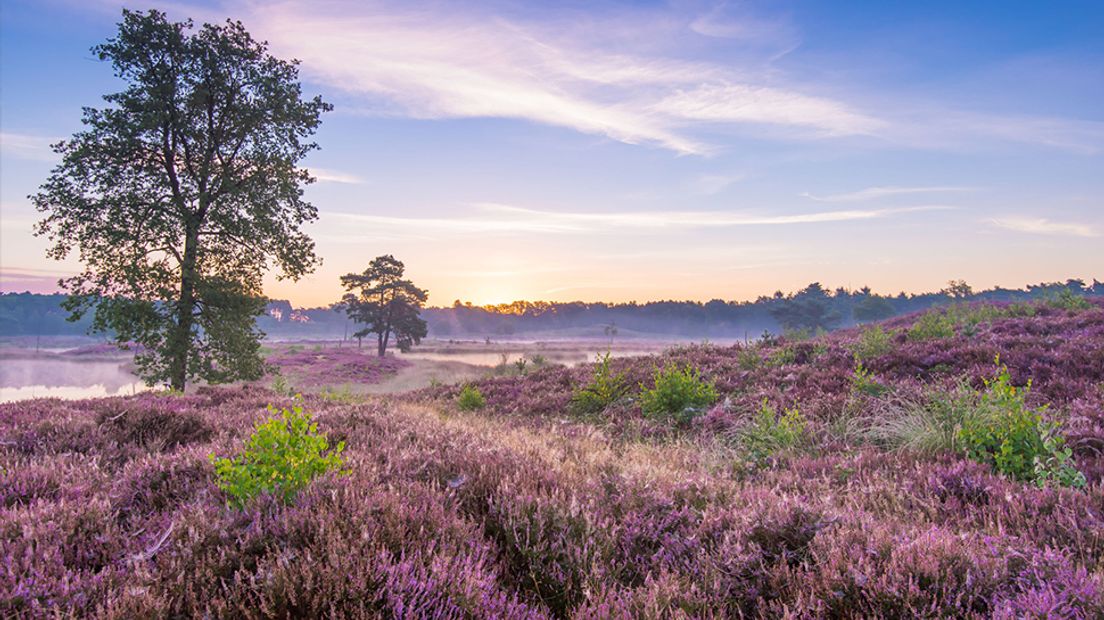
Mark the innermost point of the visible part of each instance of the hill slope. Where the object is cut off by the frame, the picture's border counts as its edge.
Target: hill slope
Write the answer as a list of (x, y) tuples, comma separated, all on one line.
[(522, 510)]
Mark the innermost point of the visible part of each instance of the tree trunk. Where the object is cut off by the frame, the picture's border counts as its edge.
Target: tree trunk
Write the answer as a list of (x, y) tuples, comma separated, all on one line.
[(383, 338), (181, 339)]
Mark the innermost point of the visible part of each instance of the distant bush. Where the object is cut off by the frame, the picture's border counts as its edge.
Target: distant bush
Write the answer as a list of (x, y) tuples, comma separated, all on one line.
[(470, 398), (281, 457), (1015, 438), (1068, 300), (872, 342), (605, 388), (678, 392), (771, 433)]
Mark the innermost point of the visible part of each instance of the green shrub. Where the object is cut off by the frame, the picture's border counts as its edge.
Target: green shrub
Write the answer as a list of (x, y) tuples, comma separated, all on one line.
[(281, 457), (281, 386), (872, 342), (603, 390), (931, 325), (747, 358), (1015, 438), (770, 433), (470, 398), (782, 356), (679, 392), (343, 395), (863, 381)]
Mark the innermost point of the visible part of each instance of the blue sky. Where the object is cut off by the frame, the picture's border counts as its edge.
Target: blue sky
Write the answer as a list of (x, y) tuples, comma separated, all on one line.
[(618, 151)]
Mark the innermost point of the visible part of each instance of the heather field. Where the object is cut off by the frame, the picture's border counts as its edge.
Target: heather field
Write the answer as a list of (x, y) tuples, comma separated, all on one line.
[(842, 476)]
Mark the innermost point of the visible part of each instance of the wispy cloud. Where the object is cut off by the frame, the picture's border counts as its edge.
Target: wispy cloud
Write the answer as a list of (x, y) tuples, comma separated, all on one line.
[(872, 193), (1044, 226), (709, 184), (433, 64), (28, 146), (325, 175), (499, 218)]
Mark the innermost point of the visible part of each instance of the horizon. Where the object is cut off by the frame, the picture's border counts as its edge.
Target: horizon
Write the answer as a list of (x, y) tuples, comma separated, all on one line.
[(618, 151)]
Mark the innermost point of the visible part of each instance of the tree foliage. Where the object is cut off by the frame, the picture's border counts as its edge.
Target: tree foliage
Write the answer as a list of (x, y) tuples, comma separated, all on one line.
[(182, 192), (386, 304)]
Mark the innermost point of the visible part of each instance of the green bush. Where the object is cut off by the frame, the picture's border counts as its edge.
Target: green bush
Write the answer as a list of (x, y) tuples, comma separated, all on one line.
[(931, 325), (782, 356), (679, 392), (863, 381), (872, 342), (604, 389), (281, 457), (470, 398), (1015, 438), (770, 433), (747, 358)]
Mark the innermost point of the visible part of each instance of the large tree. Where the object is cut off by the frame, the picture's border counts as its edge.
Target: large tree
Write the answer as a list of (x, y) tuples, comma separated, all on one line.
[(182, 192), (808, 309), (385, 304)]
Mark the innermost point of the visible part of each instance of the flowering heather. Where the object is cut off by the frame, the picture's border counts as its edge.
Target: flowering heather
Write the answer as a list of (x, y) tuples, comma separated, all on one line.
[(109, 508), (308, 366)]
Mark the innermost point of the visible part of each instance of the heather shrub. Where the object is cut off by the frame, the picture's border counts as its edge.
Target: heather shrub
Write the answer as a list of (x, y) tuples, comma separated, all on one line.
[(605, 388), (771, 433), (872, 342), (932, 325), (470, 398), (678, 392), (1015, 438), (152, 426), (281, 457)]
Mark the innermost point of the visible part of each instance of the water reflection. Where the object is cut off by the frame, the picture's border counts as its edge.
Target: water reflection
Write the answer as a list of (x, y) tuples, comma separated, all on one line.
[(24, 376)]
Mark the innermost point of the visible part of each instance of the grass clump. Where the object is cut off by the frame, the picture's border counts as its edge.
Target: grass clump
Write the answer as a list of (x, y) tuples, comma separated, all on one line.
[(927, 426), (470, 398), (1015, 439), (771, 433), (605, 388), (281, 457), (678, 392)]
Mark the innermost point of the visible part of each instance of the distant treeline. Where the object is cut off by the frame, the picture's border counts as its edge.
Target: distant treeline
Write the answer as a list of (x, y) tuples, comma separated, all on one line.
[(811, 308)]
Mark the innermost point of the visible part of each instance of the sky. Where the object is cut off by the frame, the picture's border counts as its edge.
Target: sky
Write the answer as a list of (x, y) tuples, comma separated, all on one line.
[(621, 151)]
